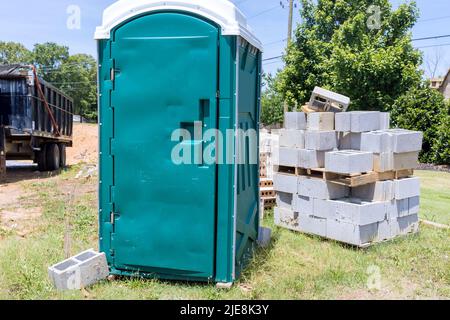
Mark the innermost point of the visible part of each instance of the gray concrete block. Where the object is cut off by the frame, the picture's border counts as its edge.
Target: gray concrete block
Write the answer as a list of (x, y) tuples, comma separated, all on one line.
[(79, 271), (264, 237), (320, 121), (320, 140), (406, 140), (413, 205), (288, 157), (303, 204), (323, 209), (357, 212), (351, 234), (295, 120), (406, 225), (286, 218), (407, 188), (385, 120), (389, 161), (292, 138), (348, 161), (311, 159), (343, 122), (378, 191), (321, 189), (349, 140), (377, 141), (357, 121), (285, 183), (385, 230), (322, 99), (285, 200), (312, 225)]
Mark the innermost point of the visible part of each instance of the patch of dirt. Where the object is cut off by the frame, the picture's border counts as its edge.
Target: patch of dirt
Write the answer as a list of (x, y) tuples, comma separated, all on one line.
[(20, 220), (85, 144)]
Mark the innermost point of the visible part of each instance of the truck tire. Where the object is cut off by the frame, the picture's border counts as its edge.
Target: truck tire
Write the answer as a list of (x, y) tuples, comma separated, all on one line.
[(62, 155), (42, 158), (53, 158)]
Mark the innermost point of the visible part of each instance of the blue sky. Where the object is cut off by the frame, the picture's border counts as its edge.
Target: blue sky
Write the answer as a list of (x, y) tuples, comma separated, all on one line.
[(45, 20)]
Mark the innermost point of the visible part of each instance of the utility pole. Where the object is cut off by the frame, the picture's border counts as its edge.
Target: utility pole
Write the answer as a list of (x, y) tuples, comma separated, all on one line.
[(289, 37)]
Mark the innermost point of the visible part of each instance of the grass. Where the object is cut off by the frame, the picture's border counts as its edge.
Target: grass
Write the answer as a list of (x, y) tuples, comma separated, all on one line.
[(296, 266)]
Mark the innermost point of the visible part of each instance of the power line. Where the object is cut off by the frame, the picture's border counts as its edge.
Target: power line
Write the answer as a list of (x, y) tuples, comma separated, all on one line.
[(272, 58), (434, 46), (274, 42), (263, 12), (433, 19), (430, 38)]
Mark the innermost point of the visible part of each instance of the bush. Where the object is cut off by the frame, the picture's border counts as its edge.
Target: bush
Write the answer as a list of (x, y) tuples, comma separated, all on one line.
[(272, 109), (424, 109)]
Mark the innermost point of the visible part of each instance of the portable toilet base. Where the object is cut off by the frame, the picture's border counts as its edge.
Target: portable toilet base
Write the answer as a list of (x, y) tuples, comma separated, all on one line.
[(170, 73)]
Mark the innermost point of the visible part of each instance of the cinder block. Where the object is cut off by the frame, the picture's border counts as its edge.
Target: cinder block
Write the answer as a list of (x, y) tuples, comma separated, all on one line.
[(407, 188), (385, 230), (348, 161), (377, 141), (323, 209), (286, 218), (357, 212), (413, 205), (349, 140), (378, 191), (351, 234), (288, 157), (398, 208), (295, 120), (320, 140), (79, 271), (285, 200), (321, 189), (385, 120), (343, 122), (264, 237), (406, 140), (303, 205), (311, 159), (292, 138), (389, 161), (312, 225), (406, 225), (357, 121), (285, 183), (320, 121)]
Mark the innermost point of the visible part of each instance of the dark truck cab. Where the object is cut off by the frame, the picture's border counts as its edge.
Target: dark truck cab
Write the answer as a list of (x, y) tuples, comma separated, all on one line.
[(36, 119)]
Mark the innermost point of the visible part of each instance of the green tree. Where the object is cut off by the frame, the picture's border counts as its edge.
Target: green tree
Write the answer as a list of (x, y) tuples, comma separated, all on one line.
[(77, 76), (335, 48), (271, 103), (48, 58), (12, 52)]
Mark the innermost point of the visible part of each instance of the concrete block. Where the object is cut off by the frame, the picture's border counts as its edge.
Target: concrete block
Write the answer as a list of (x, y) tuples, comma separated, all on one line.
[(406, 225), (320, 121), (288, 157), (286, 218), (407, 188), (349, 140), (312, 225), (303, 204), (348, 161), (351, 234), (322, 99), (377, 141), (385, 230), (323, 209), (385, 120), (285, 200), (80, 271), (357, 212), (264, 237), (343, 122), (413, 205), (292, 138), (285, 183), (389, 161), (311, 159), (295, 120), (357, 121), (398, 208), (321, 189), (320, 140), (406, 140), (378, 191)]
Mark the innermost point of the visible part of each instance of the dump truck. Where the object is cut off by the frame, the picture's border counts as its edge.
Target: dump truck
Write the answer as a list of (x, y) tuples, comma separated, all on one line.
[(36, 119)]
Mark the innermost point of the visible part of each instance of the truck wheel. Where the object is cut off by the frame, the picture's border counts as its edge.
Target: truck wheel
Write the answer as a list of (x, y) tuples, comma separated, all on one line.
[(42, 158), (62, 155), (53, 158)]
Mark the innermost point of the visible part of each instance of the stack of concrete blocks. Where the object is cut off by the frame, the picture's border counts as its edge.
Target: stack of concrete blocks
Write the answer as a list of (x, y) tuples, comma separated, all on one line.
[(349, 143), (268, 145)]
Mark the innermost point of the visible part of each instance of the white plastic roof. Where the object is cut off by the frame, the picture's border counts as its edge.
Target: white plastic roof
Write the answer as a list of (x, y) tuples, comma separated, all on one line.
[(223, 12)]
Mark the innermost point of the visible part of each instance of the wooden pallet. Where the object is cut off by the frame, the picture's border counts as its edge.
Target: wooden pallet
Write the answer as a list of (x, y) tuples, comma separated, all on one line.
[(350, 180)]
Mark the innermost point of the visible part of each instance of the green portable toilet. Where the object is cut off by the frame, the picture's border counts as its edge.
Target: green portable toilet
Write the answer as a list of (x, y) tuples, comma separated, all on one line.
[(169, 73)]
